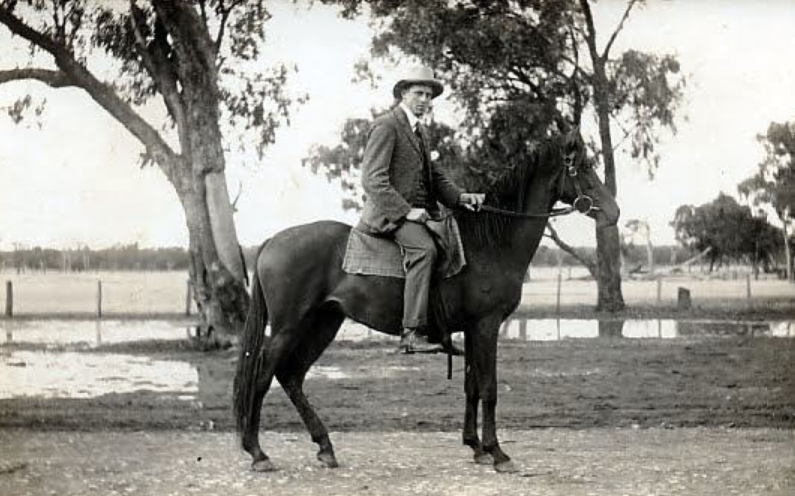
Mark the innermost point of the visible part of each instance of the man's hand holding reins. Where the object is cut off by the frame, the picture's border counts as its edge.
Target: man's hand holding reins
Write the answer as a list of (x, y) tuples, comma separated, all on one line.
[(471, 201)]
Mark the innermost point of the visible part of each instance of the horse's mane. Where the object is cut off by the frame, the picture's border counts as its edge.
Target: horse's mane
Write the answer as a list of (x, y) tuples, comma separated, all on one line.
[(507, 192)]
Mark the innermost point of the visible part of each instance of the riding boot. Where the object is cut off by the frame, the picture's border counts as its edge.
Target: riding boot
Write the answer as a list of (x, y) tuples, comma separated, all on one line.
[(413, 341)]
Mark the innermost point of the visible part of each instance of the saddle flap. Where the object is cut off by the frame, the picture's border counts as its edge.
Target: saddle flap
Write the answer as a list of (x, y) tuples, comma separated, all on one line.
[(366, 254)]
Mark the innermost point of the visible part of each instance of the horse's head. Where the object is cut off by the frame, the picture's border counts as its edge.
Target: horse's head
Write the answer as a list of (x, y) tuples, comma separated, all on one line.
[(580, 186)]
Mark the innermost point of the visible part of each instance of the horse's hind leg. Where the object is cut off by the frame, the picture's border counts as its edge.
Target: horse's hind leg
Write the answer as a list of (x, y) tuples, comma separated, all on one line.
[(280, 346), (291, 376), (250, 439)]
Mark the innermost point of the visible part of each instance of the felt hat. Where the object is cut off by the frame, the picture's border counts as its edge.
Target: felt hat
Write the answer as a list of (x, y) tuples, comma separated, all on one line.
[(418, 75)]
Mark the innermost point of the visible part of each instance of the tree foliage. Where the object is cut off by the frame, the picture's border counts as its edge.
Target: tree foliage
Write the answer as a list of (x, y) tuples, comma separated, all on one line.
[(343, 162), (729, 229), (516, 70), (134, 51), (774, 184)]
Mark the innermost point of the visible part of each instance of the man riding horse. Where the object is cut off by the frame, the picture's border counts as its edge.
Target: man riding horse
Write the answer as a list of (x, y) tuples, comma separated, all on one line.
[(403, 187)]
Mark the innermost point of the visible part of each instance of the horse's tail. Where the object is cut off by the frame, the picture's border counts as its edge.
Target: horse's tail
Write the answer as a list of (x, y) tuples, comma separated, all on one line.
[(252, 356)]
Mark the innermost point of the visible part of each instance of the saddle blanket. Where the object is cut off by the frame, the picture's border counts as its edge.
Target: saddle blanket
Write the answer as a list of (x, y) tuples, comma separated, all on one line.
[(371, 255)]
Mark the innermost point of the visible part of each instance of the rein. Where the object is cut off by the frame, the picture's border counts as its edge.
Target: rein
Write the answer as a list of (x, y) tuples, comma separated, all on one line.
[(556, 212), (582, 203)]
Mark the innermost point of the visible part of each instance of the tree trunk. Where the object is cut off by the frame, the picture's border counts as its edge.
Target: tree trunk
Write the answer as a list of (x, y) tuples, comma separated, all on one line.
[(608, 245), (787, 252), (216, 268), (608, 284), (220, 296)]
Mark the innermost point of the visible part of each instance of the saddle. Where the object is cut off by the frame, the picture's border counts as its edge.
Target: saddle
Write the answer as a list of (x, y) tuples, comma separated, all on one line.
[(368, 254)]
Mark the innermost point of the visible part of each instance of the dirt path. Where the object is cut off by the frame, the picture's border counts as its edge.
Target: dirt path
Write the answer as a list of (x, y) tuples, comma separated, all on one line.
[(553, 462)]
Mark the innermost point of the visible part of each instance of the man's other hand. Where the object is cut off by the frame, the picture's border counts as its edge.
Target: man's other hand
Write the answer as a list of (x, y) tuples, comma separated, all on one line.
[(418, 215)]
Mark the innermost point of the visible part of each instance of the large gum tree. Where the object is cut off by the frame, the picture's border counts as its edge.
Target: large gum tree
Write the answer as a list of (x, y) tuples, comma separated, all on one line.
[(190, 60)]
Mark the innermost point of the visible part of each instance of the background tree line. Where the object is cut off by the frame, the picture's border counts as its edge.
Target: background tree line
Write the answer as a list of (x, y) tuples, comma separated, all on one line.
[(133, 258), (122, 257)]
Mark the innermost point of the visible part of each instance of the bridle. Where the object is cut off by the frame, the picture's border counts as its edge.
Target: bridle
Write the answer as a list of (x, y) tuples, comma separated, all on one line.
[(583, 203)]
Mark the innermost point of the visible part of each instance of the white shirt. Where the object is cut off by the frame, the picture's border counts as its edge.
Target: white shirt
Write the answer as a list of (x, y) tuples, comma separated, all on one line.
[(413, 119)]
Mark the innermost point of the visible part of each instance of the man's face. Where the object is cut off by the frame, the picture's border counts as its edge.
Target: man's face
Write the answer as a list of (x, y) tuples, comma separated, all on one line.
[(417, 98)]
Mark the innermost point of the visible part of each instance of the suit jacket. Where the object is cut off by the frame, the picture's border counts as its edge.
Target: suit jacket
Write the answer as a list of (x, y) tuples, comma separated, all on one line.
[(392, 171)]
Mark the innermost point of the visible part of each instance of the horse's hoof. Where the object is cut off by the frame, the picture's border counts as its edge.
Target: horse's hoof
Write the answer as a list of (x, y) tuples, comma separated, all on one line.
[(263, 466), (506, 467), (328, 459), (484, 459)]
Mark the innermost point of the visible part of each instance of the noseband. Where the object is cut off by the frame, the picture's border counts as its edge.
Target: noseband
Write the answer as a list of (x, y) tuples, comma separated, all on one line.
[(583, 203)]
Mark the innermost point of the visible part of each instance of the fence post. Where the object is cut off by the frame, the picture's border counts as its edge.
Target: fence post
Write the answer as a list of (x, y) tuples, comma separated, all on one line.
[(9, 299), (187, 300), (99, 299), (557, 302), (659, 290), (748, 286)]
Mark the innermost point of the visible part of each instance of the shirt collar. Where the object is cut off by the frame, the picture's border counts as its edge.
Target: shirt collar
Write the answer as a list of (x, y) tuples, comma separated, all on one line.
[(413, 119)]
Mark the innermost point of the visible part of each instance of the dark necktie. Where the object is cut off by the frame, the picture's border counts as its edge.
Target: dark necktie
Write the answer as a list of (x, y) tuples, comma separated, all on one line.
[(418, 134)]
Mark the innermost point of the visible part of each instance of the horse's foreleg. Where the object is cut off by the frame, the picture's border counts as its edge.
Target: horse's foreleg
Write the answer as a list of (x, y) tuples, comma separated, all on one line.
[(470, 434), (486, 359)]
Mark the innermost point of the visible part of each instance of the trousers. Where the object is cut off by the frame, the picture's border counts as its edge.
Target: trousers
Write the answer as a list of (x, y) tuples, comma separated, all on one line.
[(419, 254)]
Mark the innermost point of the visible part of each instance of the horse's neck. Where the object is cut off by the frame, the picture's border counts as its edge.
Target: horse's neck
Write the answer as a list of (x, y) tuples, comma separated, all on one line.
[(521, 239)]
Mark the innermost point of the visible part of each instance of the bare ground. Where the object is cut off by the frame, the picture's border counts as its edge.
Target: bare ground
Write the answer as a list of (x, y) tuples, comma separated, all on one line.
[(552, 462)]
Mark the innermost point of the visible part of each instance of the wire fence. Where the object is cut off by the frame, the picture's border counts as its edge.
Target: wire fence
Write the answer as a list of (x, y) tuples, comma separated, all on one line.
[(107, 294)]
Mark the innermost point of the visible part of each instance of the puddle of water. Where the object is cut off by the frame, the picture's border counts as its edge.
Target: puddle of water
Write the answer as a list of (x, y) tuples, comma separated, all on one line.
[(69, 374), (94, 333), (336, 373), (89, 332), (74, 374), (553, 329)]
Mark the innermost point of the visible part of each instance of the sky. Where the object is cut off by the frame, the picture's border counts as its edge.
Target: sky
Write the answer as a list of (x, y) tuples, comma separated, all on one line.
[(75, 181)]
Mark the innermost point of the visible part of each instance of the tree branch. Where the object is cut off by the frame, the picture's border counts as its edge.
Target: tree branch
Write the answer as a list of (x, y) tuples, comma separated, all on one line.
[(190, 36), (590, 32), (620, 26), (99, 91), (54, 79), (588, 263), (155, 59), (59, 23), (203, 11), (627, 133), (19, 28), (225, 13)]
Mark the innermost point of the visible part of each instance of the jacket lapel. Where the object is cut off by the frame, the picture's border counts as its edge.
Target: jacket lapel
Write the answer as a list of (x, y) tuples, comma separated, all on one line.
[(405, 127)]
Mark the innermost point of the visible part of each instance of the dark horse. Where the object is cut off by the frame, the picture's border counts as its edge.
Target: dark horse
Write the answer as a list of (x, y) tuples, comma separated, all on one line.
[(300, 287)]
